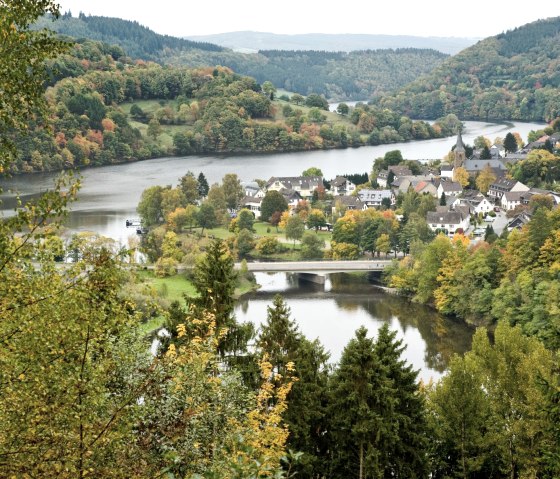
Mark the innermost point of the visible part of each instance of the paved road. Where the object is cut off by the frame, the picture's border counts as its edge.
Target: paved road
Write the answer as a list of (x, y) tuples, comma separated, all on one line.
[(323, 266)]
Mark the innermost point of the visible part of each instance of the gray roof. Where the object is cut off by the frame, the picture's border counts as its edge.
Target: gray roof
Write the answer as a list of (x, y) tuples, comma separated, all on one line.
[(451, 186), (476, 164), (446, 168), (444, 217), (304, 182), (349, 201), (459, 146), (503, 183), (339, 181)]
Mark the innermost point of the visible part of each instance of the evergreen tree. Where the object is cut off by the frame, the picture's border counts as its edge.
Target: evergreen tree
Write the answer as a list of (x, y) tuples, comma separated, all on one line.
[(510, 143), (215, 280), (360, 403), (404, 448), (202, 185), (280, 339), (443, 199)]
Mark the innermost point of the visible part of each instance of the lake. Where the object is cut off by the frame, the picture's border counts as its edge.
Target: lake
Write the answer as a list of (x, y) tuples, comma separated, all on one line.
[(334, 312), (110, 193)]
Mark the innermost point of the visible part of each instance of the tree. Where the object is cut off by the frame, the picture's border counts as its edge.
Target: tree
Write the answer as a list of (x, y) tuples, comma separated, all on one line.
[(510, 143), (297, 99), (383, 244), (442, 199), (269, 89), (149, 207), (272, 202), (485, 178), (485, 153), (404, 446), (206, 216), (359, 404), (311, 246), (312, 171), (294, 228), (460, 175), (233, 191), (245, 220), (342, 109), (481, 141), (154, 128), (202, 185), (244, 242), (214, 280), (316, 219), (22, 86), (190, 188), (283, 344)]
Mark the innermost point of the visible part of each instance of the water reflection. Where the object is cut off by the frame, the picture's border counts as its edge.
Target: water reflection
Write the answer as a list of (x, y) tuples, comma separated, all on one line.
[(333, 313)]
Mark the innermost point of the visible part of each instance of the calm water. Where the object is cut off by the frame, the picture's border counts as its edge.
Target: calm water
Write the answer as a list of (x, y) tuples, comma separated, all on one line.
[(332, 314), (110, 194)]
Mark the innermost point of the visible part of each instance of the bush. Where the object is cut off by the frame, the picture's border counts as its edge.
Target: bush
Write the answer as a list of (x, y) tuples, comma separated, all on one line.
[(268, 245), (165, 267)]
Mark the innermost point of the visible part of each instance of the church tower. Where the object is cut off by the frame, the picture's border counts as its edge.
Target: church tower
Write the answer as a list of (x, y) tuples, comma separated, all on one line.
[(459, 152)]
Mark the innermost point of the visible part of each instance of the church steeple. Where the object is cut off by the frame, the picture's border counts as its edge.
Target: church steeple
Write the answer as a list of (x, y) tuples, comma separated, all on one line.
[(459, 152)]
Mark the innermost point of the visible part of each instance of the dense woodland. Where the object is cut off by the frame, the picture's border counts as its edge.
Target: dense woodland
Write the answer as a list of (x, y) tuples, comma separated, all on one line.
[(204, 110), (81, 395), (338, 76), (511, 76)]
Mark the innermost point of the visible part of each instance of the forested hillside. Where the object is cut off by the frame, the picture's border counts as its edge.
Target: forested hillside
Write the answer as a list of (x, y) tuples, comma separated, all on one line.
[(137, 40), (337, 75), (104, 108), (513, 76)]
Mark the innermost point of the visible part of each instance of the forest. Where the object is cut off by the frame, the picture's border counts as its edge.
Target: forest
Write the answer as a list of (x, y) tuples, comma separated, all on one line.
[(511, 76), (97, 96), (337, 76), (82, 396)]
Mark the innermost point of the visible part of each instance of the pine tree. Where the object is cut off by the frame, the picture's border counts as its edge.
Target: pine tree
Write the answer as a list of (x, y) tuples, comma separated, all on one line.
[(360, 403), (283, 343), (442, 199), (404, 449), (202, 185), (215, 280)]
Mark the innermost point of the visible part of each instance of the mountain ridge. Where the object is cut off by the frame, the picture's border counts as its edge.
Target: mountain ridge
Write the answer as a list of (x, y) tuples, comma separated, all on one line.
[(252, 41)]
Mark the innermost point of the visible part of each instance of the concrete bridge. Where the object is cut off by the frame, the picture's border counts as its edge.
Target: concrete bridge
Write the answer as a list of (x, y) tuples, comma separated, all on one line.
[(317, 266), (316, 271)]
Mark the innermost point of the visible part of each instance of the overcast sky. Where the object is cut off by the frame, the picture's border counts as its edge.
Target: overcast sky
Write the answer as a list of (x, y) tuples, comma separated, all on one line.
[(472, 18)]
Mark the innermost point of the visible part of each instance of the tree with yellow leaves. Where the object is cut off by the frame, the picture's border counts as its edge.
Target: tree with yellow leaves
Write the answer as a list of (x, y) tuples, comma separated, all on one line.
[(460, 175)]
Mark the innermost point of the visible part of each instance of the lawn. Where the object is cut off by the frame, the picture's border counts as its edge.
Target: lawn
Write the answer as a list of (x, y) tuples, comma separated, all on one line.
[(172, 288)]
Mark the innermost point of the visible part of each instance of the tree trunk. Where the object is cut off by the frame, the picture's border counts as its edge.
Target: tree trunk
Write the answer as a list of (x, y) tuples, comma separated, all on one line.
[(361, 474)]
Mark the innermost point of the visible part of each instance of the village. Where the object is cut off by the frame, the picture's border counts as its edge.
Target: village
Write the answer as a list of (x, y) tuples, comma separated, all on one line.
[(461, 209)]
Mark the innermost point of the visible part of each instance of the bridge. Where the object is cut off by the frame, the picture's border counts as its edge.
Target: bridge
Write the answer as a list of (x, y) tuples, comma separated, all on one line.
[(317, 266)]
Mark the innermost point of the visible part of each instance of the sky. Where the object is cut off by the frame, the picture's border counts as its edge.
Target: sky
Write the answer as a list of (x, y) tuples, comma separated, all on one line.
[(428, 18)]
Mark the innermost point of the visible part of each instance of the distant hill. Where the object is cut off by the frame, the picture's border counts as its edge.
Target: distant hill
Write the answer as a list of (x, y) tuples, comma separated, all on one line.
[(511, 76), (251, 42), (358, 75), (138, 41)]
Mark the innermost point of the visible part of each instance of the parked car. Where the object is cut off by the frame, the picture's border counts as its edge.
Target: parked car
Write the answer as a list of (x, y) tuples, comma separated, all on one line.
[(497, 209)]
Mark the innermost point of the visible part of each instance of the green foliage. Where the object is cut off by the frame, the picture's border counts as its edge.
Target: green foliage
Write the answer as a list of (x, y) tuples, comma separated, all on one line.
[(489, 408), (499, 78), (272, 202), (311, 246)]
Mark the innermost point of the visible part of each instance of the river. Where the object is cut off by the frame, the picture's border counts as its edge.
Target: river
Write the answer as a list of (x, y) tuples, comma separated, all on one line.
[(110, 193), (334, 312)]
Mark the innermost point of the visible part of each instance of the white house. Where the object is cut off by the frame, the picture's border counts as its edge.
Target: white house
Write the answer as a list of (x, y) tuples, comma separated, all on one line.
[(450, 188), (342, 186), (253, 204), (475, 200), (398, 171), (505, 185), (449, 221), (374, 198), (304, 185), (511, 199), (446, 171)]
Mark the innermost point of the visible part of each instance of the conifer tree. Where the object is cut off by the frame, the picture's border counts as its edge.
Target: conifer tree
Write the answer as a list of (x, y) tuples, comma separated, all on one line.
[(360, 403), (283, 344), (404, 449)]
